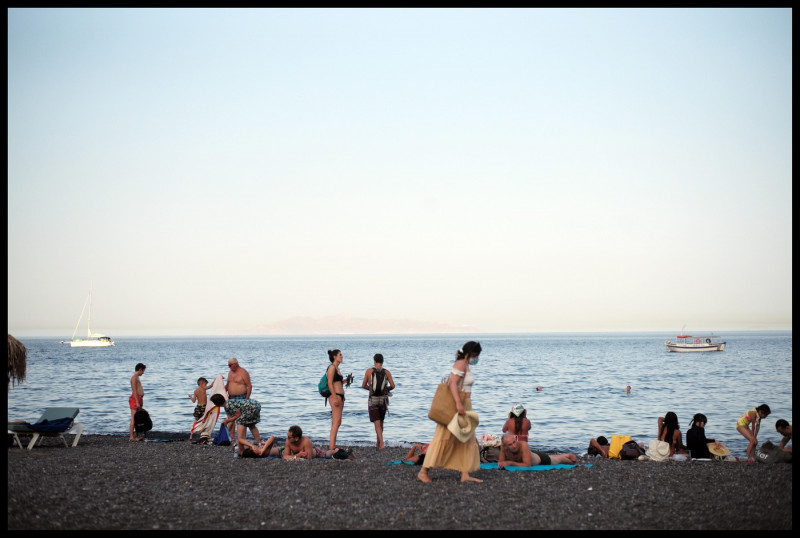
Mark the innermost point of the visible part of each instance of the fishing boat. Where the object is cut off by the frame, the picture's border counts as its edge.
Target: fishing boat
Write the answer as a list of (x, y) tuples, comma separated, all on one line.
[(92, 339), (686, 343)]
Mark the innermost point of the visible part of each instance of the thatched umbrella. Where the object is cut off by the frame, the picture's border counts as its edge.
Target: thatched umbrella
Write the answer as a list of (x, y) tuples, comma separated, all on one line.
[(17, 358)]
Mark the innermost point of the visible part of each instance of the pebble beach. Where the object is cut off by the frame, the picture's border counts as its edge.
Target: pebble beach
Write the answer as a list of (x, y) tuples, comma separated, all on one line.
[(107, 482)]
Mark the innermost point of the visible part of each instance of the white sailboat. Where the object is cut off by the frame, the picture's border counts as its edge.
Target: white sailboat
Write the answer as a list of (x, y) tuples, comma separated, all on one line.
[(92, 339)]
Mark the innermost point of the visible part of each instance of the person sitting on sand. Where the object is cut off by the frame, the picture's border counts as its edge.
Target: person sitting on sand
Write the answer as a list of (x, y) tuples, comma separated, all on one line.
[(670, 432), (696, 439), (514, 452), (785, 429), (599, 447), (413, 457), (517, 423)]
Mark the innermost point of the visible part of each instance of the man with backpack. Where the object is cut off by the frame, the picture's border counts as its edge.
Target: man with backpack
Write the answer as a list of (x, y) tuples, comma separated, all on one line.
[(378, 381)]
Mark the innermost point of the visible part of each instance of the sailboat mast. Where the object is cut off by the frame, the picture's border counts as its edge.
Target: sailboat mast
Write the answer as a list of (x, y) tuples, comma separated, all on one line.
[(88, 300), (89, 324)]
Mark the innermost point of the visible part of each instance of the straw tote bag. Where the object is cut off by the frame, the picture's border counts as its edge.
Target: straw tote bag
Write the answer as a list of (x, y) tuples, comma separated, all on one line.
[(443, 407)]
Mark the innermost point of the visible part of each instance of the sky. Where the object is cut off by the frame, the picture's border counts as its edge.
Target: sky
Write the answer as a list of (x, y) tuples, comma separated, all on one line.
[(507, 170)]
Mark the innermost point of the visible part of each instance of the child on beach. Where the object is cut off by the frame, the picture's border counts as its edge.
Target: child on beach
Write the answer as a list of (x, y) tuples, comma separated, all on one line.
[(199, 396), (136, 399), (749, 424)]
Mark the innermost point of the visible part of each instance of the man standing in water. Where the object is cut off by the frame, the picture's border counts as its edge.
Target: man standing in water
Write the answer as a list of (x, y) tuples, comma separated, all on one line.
[(136, 399)]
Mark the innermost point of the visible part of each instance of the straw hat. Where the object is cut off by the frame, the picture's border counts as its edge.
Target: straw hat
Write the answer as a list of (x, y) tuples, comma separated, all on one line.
[(720, 450), (463, 426)]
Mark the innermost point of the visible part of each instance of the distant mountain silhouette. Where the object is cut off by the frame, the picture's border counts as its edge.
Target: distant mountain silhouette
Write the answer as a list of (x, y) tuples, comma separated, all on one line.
[(345, 324)]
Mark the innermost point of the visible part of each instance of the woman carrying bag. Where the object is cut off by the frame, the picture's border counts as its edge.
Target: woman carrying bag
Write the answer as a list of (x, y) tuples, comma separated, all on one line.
[(446, 451)]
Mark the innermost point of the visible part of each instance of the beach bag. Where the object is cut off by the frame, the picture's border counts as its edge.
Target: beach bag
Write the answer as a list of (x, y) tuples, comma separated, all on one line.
[(222, 437), (490, 454), (658, 450), (141, 421), (616, 445), (631, 451), (377, 385), (769, 453), (443, 407)]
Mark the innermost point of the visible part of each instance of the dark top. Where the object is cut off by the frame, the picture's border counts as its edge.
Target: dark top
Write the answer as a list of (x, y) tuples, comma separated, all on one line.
[(336, 375), (697, 443)]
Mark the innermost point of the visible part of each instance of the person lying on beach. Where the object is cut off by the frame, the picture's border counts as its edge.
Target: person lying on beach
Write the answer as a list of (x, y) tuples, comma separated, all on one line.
[(298, 446), (250, 450), (783, 427), (517, 453), (599, 447), (413, 457)]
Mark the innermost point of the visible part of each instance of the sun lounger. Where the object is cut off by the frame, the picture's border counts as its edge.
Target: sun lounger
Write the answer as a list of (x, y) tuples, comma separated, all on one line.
[(54, 422)]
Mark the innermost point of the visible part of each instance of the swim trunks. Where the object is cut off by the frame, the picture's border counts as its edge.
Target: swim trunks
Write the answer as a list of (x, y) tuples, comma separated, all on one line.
[(250, 409), (132, 401), (377, 406), (545, 457), (199, 411), (242, 396)]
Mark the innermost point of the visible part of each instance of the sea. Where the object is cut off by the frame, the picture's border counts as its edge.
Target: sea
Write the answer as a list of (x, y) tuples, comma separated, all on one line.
[(583, 379)]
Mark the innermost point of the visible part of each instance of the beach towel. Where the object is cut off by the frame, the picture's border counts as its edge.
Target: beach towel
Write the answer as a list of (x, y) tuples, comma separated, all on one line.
[(398, 462), (532, 467), (205, 424), (58, 425)]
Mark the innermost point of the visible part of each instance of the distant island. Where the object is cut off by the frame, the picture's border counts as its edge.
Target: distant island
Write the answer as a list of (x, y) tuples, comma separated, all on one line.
[(345, 324)]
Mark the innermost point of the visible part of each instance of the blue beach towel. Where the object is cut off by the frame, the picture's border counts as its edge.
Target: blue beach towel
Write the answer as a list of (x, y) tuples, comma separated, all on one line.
[(398, 462), (532, 467), (58, 425)]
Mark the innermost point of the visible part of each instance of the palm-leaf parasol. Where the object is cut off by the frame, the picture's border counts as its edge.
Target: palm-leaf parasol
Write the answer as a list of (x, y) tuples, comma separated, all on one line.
[(17, 358)]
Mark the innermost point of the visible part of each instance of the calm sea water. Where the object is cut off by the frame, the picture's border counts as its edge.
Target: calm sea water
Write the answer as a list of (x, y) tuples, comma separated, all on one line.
[(583, 377)]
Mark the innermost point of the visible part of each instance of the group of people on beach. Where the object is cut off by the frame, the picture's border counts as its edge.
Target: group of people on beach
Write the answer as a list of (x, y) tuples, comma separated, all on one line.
[(445, 450), (697, 445)]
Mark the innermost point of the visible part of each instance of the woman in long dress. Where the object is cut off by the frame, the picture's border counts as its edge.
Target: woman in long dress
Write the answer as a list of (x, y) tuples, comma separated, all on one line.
[(445, 450)]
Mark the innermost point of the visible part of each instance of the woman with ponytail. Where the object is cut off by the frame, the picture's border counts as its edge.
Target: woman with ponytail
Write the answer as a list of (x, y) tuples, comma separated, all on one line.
[(445, 450)]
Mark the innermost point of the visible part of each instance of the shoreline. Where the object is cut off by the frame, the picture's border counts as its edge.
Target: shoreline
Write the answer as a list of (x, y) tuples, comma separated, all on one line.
[(107, 482)]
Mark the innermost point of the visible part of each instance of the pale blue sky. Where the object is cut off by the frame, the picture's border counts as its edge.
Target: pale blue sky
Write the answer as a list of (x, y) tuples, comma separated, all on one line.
[(208, 170)]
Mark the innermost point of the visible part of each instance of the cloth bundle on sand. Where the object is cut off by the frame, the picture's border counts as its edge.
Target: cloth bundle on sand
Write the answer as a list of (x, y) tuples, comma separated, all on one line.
[(205, 424), (532, 467)]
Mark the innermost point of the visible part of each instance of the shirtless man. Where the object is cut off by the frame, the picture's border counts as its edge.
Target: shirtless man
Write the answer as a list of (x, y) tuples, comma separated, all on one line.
[(783, 427), (136, 399), (298, 446), (238, 383), (517, 453)]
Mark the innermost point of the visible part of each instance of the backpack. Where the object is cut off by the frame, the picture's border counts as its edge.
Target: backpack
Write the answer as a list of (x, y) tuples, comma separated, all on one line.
[(770, 453), (322, 386), (141, 421), (377, 386), (490, 454), (631, 451)]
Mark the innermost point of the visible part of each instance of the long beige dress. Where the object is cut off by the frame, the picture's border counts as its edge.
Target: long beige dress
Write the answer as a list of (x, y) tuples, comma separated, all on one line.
[(445, 450)]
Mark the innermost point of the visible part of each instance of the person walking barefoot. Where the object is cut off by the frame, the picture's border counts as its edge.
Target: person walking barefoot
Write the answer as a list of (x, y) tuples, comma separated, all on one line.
[(445, 450)]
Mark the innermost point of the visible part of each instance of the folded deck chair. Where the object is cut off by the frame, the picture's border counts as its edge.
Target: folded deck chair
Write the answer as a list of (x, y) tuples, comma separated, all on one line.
[(54, 422)]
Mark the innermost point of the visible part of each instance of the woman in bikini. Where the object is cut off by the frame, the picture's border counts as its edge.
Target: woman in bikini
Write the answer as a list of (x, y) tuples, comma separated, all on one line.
[(517, 423), (336, 398), (749, 424)]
